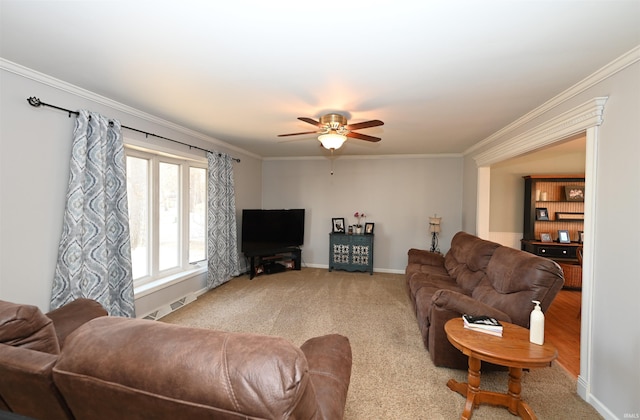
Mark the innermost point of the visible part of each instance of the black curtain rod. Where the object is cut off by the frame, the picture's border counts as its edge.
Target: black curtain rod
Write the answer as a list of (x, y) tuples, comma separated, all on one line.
[(33, 101)]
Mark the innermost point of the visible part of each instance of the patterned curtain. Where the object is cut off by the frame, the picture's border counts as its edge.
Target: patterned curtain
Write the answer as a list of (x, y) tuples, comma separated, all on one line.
[(222, 233), (94, 256)]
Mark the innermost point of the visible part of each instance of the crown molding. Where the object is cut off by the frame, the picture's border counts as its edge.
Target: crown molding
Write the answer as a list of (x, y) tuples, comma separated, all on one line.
[(368, 157), (603, 73), (578, 119), (94, 97)]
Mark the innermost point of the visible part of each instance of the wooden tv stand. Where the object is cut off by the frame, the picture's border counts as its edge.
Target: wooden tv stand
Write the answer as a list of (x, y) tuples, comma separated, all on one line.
[(273, 261)]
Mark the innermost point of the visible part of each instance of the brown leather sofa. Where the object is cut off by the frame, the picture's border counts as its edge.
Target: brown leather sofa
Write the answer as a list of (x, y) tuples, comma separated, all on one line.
[(112, 367), (475, 277)]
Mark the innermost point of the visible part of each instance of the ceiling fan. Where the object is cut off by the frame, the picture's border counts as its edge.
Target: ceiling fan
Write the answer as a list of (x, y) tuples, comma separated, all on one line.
[(334, 130)]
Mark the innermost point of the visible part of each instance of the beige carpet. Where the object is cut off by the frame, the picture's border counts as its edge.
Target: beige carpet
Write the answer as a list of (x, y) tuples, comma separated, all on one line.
[(392, 375)]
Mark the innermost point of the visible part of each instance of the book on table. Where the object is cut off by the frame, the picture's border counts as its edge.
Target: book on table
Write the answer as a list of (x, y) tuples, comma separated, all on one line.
[(483, 323)]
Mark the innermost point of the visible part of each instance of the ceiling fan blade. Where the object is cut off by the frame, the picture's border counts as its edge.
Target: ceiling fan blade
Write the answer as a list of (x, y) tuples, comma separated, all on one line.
[(310, 121), (297, 134), (363, 137), (365, 124)]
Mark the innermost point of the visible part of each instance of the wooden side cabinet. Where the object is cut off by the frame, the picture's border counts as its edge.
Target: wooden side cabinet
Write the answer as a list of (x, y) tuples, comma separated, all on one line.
[(351, 252)]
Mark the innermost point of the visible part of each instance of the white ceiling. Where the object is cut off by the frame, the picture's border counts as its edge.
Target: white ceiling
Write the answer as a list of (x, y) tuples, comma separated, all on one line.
[(442, 75)]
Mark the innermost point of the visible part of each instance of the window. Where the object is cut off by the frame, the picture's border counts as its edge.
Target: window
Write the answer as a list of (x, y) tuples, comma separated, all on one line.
[(167, 213)]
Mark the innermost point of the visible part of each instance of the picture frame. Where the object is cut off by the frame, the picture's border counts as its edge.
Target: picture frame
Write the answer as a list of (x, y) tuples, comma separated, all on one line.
[(368, 228), (574, 193), (337, 225), (545, 237), (569, 216), (581, 236), (563, 237), (542, 213)]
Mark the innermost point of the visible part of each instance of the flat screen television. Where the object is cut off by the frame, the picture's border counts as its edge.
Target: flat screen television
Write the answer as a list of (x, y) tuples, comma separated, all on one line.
[(265, 231)]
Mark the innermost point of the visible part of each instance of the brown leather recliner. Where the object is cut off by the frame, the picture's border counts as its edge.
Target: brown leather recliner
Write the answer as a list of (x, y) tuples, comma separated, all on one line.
[(137, 369), (30, 344), (476, 277)]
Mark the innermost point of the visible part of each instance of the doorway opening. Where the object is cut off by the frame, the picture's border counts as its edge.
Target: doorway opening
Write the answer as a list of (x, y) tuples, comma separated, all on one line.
[(506, 225), (587, 118)]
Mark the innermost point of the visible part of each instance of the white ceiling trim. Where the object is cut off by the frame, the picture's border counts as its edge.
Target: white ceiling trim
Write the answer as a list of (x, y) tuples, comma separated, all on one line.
[(86, 94), (578, 119), (603, 73), (368, 157)]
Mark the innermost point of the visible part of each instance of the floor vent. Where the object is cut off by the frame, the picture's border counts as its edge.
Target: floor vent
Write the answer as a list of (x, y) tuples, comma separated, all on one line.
[(167, 309), (152, 316)]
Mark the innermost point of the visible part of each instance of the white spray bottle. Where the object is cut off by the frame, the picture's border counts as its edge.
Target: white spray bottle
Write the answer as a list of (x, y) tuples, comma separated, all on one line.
[(536, 324)]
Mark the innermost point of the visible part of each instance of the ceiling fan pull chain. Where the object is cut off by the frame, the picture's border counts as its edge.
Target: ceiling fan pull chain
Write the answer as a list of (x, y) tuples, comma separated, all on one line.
[(332, 159)]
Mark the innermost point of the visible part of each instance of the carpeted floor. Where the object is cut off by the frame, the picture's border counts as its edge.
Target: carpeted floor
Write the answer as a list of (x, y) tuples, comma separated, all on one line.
[(392, 376)]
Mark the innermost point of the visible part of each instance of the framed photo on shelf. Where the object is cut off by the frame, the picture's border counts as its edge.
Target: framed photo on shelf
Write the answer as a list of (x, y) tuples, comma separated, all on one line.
[(542, 213), (563, 237), (569, 216), (368, 228), (545, 237), (574, 193), (337, 224)]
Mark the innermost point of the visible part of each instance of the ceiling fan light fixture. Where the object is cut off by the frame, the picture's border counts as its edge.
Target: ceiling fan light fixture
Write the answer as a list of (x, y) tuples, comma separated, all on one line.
[(332, 140)]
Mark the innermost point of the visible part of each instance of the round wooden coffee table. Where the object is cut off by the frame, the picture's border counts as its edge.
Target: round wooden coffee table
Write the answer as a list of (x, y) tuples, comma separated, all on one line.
[(513, 350)]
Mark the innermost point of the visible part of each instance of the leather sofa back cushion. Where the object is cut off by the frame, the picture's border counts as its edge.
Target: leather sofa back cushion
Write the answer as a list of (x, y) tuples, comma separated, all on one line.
[(26, 326), (139, 360), (514, 279), (468, 258)]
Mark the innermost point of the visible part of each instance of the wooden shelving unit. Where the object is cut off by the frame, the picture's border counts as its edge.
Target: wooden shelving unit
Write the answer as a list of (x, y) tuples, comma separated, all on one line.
[(549, 192)]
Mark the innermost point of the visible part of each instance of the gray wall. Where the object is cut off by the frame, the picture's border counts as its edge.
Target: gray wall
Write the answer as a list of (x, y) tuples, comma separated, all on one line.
[(398, 194)]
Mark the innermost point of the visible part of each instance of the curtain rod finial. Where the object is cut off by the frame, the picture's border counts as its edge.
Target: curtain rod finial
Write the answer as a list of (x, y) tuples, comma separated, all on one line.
[(33, 101)]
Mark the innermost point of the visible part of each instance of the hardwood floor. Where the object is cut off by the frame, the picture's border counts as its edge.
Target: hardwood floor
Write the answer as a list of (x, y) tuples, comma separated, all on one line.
[(562, 328)]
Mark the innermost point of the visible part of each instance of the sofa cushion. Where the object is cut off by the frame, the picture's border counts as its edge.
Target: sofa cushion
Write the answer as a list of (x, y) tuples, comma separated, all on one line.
[(515, 278), (468, 258), (26, 326), (413, 268), (432, 282)]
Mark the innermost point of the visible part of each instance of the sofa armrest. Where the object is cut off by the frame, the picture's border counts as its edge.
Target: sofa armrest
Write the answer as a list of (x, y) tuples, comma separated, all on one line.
[(329, 359), (462, 304), (421, 256), (27, 385), (69, 317)]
